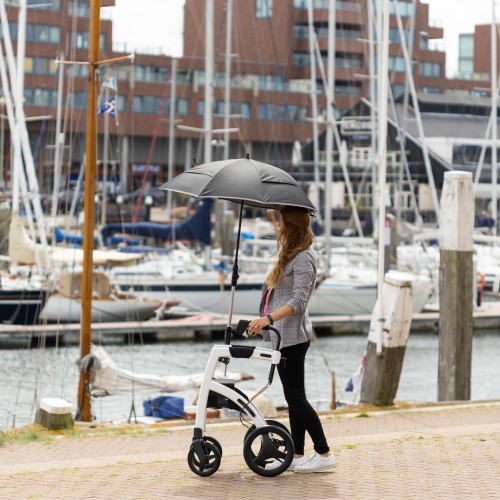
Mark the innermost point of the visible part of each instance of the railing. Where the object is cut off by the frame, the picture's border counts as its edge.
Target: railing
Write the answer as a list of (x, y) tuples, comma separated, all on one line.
[(142, 49)]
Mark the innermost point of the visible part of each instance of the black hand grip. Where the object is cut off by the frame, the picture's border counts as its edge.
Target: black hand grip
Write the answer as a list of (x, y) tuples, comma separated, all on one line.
[(242, 326)]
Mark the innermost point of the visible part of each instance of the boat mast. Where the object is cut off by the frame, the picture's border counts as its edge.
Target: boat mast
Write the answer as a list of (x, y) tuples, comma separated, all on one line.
[(227, 89), (84, 412), (330, 81), (494, 104), (209, 72), (59, 142), (171, 132), (314, 102)]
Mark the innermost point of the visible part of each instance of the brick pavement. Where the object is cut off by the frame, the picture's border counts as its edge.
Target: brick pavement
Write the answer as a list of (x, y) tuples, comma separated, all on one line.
[(443, 452)]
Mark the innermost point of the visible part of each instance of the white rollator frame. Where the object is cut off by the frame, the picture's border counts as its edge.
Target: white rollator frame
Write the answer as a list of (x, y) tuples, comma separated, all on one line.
[(267, 442)]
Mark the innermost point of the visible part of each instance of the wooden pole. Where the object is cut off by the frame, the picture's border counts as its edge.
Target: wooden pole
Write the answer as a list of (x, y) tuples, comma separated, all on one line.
[(333, 402), (456, 287), (84, 410)]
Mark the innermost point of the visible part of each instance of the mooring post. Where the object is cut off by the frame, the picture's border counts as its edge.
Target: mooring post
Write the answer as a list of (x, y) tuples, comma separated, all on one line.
[(456, 299), (382, 371)]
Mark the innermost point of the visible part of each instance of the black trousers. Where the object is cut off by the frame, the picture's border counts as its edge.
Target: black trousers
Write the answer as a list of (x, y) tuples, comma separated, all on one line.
[(303, 416)]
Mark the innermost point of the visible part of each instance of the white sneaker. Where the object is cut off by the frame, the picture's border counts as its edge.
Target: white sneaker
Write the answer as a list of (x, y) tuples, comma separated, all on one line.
[(275, 463), (317, 463)]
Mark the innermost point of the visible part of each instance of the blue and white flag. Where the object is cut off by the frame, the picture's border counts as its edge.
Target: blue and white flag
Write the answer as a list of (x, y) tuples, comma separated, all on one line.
[(110, 83), (108, 108), (355, 381)]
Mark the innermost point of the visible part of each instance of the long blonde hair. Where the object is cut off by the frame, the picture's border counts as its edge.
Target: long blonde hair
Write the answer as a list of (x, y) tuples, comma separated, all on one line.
[(294, 236)]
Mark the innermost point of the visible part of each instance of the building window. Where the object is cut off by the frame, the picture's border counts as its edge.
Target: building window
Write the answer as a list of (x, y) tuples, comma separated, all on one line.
[(397, 90), (347, 88), (469, 154), (345, 60), (323, 4), (40, 65), (40, 97), (45, 5), (79, 99), (79, 70), (300, 59), (263, 8), (281, 112), (430, 69), (241, 109), (184, 76), (431, 90), (181, 108), (153, 74), (147, 104), (272, 82), (81, 40), (405, 8), (395, 38), (41, 33), (397, 64), (152, 104), (81, 9), (466, 56)]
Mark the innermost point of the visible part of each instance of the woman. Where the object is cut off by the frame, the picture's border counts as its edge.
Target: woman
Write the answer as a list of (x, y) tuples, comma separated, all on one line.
[(285, 296)]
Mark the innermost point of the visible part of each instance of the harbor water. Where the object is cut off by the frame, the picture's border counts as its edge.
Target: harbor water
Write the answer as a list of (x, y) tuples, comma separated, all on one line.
[(27, 375)]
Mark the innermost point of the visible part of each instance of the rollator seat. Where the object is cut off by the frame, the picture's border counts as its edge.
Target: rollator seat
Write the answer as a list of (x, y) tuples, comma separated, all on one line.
[(241, 351)]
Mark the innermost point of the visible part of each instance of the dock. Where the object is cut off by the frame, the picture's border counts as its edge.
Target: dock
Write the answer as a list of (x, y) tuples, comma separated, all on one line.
[(207, 326)]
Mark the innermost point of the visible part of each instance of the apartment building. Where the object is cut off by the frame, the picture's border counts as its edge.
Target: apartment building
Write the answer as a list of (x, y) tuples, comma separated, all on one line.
[(271, 89)]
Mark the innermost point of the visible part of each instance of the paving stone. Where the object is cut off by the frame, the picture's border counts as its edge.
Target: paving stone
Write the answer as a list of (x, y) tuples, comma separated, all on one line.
[(447, 452)]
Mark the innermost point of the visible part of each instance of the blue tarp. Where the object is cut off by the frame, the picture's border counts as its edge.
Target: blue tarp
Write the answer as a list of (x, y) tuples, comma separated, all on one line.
[(195, 228), (76, 239)]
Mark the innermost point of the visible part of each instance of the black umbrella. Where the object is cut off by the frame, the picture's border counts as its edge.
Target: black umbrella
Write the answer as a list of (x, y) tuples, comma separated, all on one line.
[(244, 181)]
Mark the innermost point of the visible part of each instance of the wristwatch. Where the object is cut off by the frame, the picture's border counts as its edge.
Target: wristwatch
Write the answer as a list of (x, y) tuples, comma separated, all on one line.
[(270, 318)]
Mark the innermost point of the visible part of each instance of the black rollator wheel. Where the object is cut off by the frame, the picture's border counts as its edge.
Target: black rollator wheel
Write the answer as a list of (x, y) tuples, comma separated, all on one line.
[(276, 423), (269, 446), (210, 439), (207, 464)]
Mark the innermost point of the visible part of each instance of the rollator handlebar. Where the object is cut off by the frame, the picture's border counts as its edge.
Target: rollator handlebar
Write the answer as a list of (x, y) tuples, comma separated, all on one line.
[(242, 326)]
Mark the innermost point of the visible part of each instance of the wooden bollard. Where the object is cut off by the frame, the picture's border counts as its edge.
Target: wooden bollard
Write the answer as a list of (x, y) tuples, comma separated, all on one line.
[(382, 371), (54, 414), (456, 227)]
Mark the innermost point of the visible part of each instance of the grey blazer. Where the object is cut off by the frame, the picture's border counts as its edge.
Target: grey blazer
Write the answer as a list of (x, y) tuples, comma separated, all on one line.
[(294, 288)]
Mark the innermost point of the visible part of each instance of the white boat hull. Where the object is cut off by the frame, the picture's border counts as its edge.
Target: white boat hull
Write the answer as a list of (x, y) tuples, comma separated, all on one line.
[(63, 309), (331, 297)]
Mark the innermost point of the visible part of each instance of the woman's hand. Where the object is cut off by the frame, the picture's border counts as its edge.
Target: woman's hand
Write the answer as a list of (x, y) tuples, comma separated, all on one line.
[(256, 325)]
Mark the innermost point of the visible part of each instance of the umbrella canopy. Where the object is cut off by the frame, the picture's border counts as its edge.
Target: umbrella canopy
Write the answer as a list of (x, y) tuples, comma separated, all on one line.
[(243, 181)]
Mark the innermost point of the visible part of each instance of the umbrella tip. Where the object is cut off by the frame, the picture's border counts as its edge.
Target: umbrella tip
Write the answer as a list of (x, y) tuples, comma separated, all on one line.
[(248, 156), (194, 162)]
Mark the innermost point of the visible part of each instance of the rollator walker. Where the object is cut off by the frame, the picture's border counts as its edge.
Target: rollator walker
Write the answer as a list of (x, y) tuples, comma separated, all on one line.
[(256, 184), (266, 441)]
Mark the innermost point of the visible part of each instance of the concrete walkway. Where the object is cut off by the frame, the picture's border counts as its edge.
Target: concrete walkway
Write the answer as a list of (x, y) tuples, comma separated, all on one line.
[(437, 452)]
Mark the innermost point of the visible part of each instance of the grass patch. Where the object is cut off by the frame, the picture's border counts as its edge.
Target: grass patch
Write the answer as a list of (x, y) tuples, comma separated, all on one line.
[(362, 415), (25, 435)]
